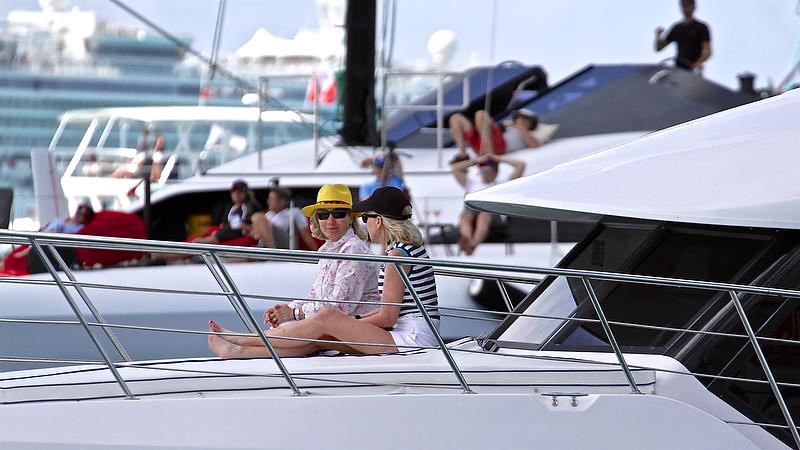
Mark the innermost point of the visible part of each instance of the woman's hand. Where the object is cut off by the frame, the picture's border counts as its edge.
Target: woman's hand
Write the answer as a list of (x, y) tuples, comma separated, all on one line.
[(277, 315)]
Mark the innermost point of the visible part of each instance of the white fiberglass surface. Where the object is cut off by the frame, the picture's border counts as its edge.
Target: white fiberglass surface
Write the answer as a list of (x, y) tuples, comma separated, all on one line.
[(737, 168)]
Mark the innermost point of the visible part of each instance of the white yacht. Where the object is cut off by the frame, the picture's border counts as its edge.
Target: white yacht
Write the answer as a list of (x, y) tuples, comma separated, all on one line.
[(673, 324)]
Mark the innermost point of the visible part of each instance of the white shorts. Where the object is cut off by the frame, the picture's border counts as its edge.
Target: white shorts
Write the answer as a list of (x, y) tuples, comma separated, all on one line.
[(410, 331)]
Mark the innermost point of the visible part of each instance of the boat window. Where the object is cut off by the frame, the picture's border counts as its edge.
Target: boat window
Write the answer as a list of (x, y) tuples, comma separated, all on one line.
[(685, 254), (706, 254), (555, 297), (773, 317)]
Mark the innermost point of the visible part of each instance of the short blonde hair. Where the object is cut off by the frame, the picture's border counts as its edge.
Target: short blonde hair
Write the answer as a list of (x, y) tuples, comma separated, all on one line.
[(316, 230), (403, 231)]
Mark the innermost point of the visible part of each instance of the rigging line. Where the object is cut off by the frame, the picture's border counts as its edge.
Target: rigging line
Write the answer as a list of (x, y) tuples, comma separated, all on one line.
[(217, 38), (240, 82), (488, 101), (392, 34)]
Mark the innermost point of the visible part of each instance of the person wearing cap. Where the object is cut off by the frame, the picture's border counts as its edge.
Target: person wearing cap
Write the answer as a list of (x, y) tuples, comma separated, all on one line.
[(485, 136), (340, 287), (236, 221), (387, 171), (271, 229), (473, 225), (692, 37)]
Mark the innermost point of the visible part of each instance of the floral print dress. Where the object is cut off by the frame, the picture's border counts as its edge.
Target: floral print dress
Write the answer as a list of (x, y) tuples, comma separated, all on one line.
[(343, 280)]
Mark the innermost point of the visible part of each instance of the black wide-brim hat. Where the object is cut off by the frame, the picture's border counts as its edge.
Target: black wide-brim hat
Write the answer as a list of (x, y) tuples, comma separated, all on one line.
[(388, 202)]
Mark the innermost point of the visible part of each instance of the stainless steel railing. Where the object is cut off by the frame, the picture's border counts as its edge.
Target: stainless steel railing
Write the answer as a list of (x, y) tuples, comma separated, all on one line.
[(212, 255), (440, 107)]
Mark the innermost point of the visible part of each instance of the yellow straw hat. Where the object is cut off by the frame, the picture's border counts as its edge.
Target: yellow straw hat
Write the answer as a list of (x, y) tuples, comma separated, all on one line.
[(331, 196)]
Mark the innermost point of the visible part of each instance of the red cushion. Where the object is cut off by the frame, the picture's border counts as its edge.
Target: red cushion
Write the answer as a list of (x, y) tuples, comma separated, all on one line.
[(15, 267), (112, 224)]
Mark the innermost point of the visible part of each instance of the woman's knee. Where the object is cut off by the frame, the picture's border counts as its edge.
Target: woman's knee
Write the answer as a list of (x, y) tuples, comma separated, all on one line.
[(328, 314)]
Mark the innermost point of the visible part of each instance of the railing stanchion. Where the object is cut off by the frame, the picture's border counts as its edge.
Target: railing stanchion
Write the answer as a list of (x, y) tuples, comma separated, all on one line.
[(504, 294), (254, 323), (231, 297), (765, 366), (109, 334), (75, 309), (611, 340), (429, 321)]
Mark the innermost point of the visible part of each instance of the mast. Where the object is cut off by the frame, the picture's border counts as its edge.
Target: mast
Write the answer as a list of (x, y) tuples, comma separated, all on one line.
[(359, 82)]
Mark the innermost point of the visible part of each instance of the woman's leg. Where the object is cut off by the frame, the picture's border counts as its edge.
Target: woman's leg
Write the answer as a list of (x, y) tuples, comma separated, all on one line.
[(341, 327), (227, 349), (483, 126), (328, 324), (459, 127)]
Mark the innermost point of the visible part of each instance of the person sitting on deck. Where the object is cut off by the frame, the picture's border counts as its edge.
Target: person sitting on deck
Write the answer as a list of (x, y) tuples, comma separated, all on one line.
[(271, 229), (485, 136), (237, 222), (396, 325), (473, 225)]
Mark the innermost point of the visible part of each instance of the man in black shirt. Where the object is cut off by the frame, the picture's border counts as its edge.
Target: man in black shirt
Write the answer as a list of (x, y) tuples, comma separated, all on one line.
[(692, 37)]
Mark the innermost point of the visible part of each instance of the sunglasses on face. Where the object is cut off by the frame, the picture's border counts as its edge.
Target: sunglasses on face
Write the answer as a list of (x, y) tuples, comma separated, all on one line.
[(336, 213), (365, 217)]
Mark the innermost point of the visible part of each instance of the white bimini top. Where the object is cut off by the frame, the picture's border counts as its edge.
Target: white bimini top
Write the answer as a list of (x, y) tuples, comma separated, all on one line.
[(738, 167)]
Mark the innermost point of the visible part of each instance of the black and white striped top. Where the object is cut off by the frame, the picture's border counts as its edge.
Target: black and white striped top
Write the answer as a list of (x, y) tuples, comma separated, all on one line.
[(422, 280)]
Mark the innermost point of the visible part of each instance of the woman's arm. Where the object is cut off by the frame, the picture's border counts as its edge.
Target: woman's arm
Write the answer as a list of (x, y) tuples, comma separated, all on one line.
[(393, 289)]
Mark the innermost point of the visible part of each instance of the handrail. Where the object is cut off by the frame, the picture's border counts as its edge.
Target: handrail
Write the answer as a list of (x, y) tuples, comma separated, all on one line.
[(37, 240), (439, 107), (101, 243)]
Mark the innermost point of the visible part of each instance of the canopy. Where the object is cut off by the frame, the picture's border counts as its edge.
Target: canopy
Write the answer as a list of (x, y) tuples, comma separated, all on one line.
[(737, 168)]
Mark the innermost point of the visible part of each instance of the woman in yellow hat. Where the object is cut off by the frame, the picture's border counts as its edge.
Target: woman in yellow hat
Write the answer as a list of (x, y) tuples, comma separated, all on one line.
[(332, 219)]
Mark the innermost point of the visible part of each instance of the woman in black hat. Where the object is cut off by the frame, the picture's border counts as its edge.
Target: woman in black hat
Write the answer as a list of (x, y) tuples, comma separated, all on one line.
[(396, 324)]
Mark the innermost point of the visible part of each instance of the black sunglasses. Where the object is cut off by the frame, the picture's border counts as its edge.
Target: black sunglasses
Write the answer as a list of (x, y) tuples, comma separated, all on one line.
[(365, 217), (336, 213)]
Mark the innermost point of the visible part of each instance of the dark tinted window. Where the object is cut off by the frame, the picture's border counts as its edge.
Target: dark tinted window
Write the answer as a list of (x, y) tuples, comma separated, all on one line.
[(706, 256)]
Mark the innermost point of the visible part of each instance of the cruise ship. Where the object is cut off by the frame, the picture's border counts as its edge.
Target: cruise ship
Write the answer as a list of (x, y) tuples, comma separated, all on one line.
[(61, 58)]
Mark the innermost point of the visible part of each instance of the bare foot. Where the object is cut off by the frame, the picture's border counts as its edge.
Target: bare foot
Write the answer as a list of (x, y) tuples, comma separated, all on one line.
[(217, 328), (221, 347)]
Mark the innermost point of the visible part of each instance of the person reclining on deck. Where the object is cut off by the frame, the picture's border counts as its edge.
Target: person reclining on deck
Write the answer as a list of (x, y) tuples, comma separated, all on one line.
[(69, 225), (515, 134), (473, 225), (386, 329), (271, 229)]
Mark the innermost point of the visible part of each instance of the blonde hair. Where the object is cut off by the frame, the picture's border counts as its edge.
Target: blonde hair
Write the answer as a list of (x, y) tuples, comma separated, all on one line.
[(403, 231), (316, 230)]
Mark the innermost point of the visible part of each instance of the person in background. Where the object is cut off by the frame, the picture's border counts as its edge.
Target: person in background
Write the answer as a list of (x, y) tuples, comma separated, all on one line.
[(692, 37), (354, 282), (69, 225), (387, 171), (158, 157), (271, 229), (473, 225), (485, 136), (237, 220)]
